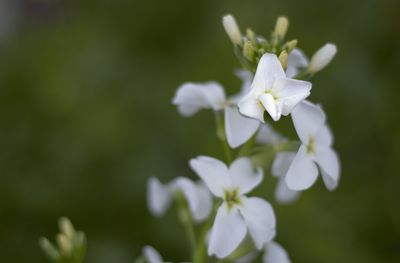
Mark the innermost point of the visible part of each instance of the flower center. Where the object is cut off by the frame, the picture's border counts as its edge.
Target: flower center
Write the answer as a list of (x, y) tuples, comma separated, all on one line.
[(311, 145), (232, 197)]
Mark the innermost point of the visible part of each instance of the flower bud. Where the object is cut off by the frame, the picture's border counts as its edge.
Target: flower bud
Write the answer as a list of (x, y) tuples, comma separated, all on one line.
[(232, 29), (66, 227), (281, 27), (49, 249), (248, 50), (65, 244), (322, 57), (290, 45), (283, 58)]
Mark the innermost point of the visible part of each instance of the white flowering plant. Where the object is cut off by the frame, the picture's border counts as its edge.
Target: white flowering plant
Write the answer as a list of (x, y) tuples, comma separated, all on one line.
[(223, 221)]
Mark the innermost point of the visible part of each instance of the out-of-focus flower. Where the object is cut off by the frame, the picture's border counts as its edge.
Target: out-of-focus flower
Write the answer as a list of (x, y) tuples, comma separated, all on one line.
[(280, 166), (322, 57), (275, 253), (192, 97), (267, 135), (316, 149), (198, 197), (272, 91), (151, 255), (237, 214)]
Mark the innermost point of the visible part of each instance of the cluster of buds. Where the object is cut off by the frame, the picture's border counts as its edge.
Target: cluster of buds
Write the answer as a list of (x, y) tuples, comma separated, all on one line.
[(71, 244), (250, 47)]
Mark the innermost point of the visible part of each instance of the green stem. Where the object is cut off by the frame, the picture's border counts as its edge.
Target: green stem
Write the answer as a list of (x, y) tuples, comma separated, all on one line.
[(221, 135), (185, 217)]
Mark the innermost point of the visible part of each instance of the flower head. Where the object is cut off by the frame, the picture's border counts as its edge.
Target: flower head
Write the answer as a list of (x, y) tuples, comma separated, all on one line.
[(316, 149), (198, 197), (237, 214), (272, 91)]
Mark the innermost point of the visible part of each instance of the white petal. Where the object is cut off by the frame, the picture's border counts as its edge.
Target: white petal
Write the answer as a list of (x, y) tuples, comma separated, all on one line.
[(260, 220), (250, 106), (191, 97), (267, 135), (283, 194), (205, 203), (324, 136), (197, 197), (271, 106), (302, 172), (274, 253), (227, 233), (307, 118), (268, 70), (151, 255), (158, 197), (295, 62), (244, 176), (238, 128), (291, 92), (281, 163), (213, 172), (328, 161), (247, 78)]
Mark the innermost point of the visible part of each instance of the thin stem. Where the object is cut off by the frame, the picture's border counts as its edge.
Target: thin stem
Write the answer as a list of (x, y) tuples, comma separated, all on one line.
[(186, 219), (221, 135)]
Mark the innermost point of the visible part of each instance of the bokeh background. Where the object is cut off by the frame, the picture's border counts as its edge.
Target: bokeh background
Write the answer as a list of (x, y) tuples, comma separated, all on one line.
[(86, 118)]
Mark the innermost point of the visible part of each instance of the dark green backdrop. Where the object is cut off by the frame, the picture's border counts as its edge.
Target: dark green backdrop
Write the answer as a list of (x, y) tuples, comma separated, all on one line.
[(85, 118)]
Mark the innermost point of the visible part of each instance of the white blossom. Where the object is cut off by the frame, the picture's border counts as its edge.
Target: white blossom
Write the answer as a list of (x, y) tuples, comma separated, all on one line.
[(315, 150), (267, 135), (197, 196), (272, 91), (190, 98), (237, 214), (322, 57), (280, 166)]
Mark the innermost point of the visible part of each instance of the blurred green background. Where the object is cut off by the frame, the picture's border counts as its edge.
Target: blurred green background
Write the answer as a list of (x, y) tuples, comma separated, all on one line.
[(85, 118)]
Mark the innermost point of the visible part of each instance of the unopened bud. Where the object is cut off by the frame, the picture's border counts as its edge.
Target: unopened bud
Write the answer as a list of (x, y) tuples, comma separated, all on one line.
[(248, 50), (322, 57), (250, 34), (283, 58), (49, 249), (281, 27), (232, 29), (65, 244), (290, 45), (66, 227)]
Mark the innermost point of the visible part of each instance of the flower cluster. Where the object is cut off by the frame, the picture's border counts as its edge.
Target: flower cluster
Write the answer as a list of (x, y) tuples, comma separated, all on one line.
[(275, 83)]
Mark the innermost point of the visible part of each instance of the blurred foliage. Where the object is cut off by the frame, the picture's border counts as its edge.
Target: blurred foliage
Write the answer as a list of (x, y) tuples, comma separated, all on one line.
[(85, 118)]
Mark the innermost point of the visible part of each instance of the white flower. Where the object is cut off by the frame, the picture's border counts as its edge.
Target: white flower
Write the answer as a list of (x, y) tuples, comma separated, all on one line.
[(237, 214), (275, 253), (322, 57), (296, 61), (272, 91), (232, 29), (280, 166), (190, 98), (151, 255), (316, 149), (197, 195)]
